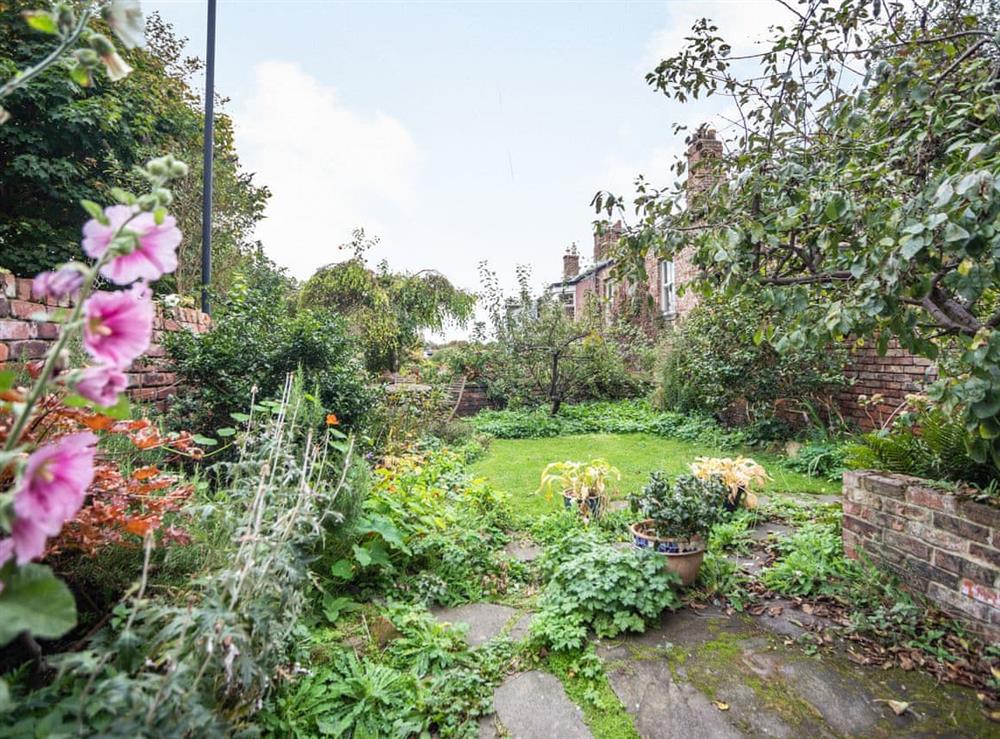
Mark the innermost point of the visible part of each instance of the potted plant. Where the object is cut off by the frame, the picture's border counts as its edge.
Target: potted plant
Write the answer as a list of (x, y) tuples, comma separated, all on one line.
[(677, 517), (739, 475), (583, 485)]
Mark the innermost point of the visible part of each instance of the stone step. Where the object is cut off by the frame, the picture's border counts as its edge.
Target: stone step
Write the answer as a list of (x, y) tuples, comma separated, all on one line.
[(486, 621)]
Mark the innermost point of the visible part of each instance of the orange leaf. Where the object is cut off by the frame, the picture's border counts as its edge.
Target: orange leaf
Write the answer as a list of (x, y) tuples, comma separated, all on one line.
[(332, 420), (97, 422), (141, 526), (144, 473)]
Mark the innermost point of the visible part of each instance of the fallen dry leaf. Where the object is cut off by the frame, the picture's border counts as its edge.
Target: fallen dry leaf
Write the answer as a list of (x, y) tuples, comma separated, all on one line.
[(898, 707), (721, 706)]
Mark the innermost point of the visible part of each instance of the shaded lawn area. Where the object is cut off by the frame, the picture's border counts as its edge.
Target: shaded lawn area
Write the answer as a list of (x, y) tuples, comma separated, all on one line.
[(515, 465)]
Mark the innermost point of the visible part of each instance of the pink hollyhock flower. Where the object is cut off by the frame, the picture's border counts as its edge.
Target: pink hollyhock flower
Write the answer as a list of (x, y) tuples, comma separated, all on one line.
[(52, 490), (155, 254), (58, 284), (101, 385), (117, 326)]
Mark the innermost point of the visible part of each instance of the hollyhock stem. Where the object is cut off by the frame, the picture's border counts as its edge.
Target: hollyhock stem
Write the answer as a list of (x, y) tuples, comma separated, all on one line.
[(53, 356)]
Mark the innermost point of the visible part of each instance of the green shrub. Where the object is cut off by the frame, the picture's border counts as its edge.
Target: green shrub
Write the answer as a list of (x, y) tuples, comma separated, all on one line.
[(683, 508), (598, 586), (714, 361), (254, 342)]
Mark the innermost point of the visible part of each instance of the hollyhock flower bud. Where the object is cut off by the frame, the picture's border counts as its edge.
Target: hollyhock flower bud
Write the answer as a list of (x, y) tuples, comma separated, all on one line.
[(117, 326), (52, 490), (101, 385), (118, 68), (155, 254), (58, 284)]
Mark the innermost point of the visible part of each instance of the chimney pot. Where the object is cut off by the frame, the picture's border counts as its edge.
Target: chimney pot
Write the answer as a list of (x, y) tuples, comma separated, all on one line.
[(571, 262)]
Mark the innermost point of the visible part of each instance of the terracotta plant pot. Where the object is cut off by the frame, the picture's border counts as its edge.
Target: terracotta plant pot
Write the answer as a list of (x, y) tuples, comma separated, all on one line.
[(680, 556), (594, 504)]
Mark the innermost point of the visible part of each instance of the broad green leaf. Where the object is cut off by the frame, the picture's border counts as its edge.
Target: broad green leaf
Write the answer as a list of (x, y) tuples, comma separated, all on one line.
[(227, 431), (204, 440), (239, 417), (35, 600), (836, 207), (40, 20), (342, 569), (7, 378), (362, 555)]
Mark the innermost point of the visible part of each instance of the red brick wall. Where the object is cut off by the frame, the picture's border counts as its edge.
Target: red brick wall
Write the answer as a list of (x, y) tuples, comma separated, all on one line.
[(893, 376), (150, 377), (942, 546)]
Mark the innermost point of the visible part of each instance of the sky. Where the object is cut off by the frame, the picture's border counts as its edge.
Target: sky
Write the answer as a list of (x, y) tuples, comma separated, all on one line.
[(455, 132)]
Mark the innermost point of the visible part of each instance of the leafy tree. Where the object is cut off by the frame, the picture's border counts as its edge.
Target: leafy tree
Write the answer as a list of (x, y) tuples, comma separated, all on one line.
[(388, 310), (65, 143), (256, 339), (545, 355), (859, 194)]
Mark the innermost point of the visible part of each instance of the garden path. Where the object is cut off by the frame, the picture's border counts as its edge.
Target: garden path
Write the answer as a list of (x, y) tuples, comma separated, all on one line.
[(707, 673)]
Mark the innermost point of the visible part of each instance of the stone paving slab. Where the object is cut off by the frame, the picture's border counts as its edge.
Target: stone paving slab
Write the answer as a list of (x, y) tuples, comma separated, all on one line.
[(765, 530), (740, 676), (485, 620), (523, 550), (533, 705)]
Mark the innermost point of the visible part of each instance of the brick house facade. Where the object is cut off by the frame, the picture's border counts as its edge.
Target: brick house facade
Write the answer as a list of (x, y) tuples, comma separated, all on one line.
[(663, 277)]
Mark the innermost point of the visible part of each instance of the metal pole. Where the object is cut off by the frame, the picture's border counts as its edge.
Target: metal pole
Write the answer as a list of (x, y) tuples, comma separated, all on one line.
[(206, 207)]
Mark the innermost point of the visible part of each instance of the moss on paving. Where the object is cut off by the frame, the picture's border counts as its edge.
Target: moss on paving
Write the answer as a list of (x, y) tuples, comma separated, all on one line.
[(515, 465), (603, 713)]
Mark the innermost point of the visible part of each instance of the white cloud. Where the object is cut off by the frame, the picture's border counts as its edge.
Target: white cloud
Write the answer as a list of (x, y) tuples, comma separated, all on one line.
[(330, 168)]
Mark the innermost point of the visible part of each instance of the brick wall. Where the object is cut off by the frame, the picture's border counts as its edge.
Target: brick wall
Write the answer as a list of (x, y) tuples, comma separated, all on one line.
[(893, 376), (21, 339), (473, 400), (942, 546)]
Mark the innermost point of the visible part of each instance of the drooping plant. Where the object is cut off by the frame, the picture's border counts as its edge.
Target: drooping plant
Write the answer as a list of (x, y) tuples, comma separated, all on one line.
[(581, 482)]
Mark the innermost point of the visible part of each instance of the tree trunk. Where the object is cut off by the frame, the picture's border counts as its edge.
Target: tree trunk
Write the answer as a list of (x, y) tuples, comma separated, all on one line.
[(554, 395)]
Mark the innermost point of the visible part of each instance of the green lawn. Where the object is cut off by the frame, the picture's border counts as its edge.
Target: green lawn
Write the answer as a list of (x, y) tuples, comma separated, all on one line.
[(515, 465)]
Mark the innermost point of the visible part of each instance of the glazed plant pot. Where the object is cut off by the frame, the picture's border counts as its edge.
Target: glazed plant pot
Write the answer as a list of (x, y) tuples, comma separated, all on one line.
[(731, 504), (680, 556), (593, 504)]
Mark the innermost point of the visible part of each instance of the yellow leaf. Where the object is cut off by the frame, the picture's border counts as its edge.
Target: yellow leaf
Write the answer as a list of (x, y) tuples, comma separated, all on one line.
[(721, 706)]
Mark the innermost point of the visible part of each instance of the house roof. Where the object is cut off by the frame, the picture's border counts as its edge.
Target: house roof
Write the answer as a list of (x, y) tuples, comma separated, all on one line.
[(585, 274)]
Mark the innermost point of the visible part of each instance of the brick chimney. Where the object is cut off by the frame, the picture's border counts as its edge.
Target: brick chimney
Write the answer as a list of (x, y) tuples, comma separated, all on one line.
[(571, 262), (604, 241), (703, 148)]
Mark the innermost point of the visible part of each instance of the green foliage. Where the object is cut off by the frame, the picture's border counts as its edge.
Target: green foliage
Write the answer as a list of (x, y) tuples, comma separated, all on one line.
[(927, 444), (387, 310), (719, 577), (811, 562), (426, 529), (859, 194), (713, 362), (36, 601), (820, 459), (621, 417), (682, 509), (254, 341), (65, 143), (603, 588)]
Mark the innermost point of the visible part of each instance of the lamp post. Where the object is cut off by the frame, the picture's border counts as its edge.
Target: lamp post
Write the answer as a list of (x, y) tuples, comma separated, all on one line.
[(206, 206)]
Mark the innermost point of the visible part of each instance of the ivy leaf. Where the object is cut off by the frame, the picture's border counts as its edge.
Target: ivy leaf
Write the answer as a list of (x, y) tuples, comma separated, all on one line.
[(35, 600), (954, 232)]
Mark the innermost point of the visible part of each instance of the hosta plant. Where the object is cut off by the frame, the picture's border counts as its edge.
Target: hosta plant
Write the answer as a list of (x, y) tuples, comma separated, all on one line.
[(740, 476), (581, 482)]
